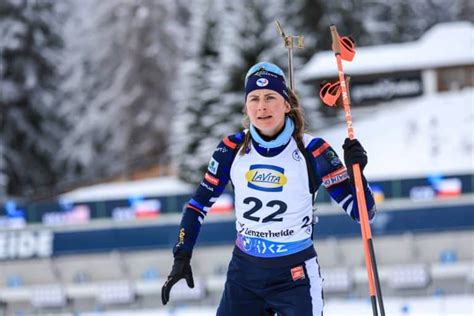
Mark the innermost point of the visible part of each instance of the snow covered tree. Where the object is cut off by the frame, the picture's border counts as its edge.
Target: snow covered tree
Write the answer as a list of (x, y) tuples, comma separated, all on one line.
[(121, 65), (404, 20), (122, 59), (195, 91), (30, 128)]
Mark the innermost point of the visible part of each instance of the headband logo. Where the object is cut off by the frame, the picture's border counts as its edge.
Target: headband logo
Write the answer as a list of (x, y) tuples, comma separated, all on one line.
[(262, 82), (263, 72)]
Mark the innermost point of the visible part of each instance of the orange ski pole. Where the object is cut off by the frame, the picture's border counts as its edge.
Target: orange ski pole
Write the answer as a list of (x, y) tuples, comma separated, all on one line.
[(371, 265)]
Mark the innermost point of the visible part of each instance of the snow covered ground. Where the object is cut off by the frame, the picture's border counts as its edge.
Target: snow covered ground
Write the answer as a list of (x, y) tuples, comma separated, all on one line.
[(414, 137), (424, 306)]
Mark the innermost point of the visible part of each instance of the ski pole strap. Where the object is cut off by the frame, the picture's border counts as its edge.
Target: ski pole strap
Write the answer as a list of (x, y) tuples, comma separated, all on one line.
[(330, 92), (347, 47)]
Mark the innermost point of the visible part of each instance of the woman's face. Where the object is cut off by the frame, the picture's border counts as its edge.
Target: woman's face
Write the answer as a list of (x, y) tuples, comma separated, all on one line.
[(266, 110)]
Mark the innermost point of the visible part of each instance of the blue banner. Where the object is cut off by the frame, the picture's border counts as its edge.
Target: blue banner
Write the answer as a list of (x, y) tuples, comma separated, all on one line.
[(433, 219), (43, 242)]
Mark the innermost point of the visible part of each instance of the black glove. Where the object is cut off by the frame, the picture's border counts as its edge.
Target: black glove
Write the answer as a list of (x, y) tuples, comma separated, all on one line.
[(354, 153), (181, 269)]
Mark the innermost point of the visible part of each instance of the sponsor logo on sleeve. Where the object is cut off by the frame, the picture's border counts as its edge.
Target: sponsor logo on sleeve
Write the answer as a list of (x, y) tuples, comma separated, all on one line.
[(221, 149), (207, 186), (335, 177), (266, 178), (181, 236), (332, 158), (336, 161), (213, 166), (330, 154)]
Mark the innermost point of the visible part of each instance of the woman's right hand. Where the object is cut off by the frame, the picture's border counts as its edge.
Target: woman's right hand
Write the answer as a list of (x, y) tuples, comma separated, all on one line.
[(181, 270)]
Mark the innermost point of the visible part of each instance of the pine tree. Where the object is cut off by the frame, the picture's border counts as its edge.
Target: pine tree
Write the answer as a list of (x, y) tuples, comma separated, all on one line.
[(118, 83), (30, 128), (404, 20), (307, 19), (349, 17), (195, 91)]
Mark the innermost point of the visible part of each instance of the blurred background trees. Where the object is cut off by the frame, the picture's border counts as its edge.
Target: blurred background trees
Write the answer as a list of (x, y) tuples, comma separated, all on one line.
[(92, 90), (31, 129)]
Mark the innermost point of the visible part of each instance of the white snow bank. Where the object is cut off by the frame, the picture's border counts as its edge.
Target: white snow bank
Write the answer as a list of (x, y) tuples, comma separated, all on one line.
[(415, 137)]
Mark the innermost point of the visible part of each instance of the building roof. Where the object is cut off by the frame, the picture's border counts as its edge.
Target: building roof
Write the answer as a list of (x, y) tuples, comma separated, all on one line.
[(445, 44)]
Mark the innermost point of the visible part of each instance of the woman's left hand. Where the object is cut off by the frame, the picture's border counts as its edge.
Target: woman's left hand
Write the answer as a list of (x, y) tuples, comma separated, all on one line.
[(354, 153)]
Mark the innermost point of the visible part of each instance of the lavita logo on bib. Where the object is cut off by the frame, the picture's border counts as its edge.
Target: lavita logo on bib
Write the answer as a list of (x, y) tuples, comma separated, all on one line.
[(266, 178)]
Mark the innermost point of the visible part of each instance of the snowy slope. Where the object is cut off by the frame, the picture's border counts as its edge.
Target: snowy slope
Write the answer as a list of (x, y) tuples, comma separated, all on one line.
[(415, 137)]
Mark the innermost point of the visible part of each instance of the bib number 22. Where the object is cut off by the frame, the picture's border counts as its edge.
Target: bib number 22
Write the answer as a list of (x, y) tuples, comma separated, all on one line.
[(280, 206)]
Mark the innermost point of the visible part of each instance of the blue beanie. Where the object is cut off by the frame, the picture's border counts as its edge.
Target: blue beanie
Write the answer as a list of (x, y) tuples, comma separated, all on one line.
[(263, 79)]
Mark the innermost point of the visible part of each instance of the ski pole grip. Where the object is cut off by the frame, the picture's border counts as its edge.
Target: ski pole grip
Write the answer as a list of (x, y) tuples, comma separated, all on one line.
[(335, 39)]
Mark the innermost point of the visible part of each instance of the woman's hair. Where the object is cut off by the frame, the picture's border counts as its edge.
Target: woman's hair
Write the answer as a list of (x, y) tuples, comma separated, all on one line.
[(296, 114)]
